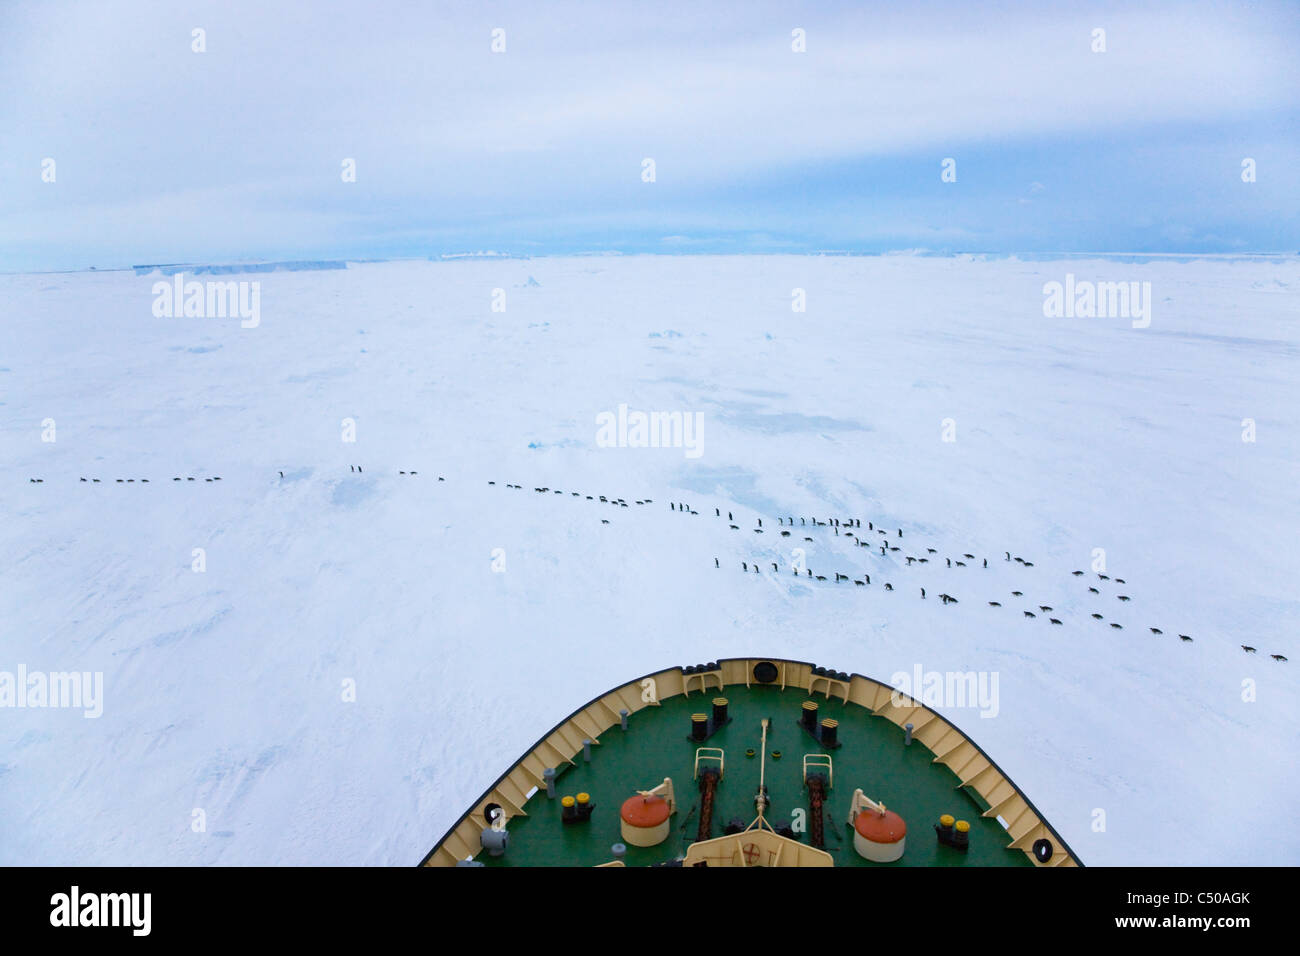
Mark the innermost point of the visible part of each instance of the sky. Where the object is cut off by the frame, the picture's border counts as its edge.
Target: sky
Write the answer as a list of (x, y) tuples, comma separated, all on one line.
[(164, 154)]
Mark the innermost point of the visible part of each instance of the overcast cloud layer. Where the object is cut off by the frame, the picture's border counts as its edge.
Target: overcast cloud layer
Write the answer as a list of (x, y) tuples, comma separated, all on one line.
[(164, 154)]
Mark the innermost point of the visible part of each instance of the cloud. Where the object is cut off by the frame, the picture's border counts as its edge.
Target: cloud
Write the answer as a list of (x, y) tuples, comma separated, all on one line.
[(157, 144)]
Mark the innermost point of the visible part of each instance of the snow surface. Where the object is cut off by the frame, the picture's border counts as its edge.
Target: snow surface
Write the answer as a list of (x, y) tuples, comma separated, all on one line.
[(223, 689)]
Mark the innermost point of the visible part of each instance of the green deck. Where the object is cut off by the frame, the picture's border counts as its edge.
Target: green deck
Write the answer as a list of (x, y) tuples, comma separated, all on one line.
[(656, 745)]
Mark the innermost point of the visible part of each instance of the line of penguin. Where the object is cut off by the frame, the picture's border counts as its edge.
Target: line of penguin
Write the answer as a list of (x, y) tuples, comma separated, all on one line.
[(786, 529)]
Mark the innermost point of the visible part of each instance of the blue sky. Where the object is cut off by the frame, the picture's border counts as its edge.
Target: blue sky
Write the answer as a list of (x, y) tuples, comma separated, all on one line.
[(164, 154)]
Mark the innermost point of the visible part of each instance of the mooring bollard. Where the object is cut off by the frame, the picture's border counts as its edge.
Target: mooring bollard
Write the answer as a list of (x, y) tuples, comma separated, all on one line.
[(619, 851), (622, 718), (907, 735), (549, 776), (586, 750)]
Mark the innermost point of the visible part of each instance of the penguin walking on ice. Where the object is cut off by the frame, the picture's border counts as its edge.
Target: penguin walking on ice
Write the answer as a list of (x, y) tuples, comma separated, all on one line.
[(923, 594), (715, 563)]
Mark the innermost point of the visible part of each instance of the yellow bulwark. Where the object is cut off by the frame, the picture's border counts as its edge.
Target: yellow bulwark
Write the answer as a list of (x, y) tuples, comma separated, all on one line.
[(950, 747)]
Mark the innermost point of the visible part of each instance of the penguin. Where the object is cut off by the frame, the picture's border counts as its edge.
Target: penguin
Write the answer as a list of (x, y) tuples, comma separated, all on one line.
[(821, 577), (809, 572), (910, 559), (1104, 577), (868, 577), (760, 522), (1185, 638), (1054, 620), (882, 549), (1076, 573), (1029, 564), (807, 539), (1044, 608), (744, 566), (870, 526), (969, 557), (1094, 590), (949, 560), (860, 583), (83, 479), (1278, 657), (986, 562), (735, 527), (670, 505), (900, 532), (95, 481), (888, 586), (1156, 630), (177, 479), (1008, 554), (961, 564), (1030, 614), (1018, 593), (802, 522), (715, 563), (1097, 616), (352, 468), (1119, 580), (931, 551), (774, 567), (358, 469), (923, 594), (1248, 649), (994, 604), (604, 521), (729, 518), (717, 513), (1118, 627), (1123, 597), (785, 534)]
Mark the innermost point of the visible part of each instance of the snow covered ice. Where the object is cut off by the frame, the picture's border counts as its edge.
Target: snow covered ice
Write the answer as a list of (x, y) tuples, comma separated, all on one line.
[(224, 691)]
